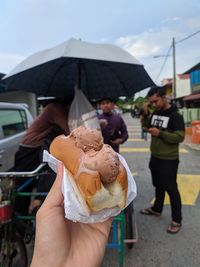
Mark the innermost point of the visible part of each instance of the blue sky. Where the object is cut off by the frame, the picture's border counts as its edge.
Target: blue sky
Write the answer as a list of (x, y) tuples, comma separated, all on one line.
[(144, 28)]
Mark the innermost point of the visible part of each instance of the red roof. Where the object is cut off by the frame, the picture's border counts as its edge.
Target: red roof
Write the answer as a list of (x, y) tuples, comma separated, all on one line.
[(183, 76)]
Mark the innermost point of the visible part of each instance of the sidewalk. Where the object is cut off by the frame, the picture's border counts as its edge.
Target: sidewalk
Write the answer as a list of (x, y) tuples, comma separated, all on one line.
[(188, 142)]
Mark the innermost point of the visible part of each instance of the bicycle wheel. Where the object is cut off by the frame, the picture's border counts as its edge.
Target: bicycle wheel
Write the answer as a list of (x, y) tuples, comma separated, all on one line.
[(4, 246), (18, 255)]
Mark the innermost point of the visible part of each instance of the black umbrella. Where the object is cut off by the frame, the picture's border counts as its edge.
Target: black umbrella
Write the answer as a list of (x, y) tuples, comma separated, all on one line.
[(2, 83), (99, 70)]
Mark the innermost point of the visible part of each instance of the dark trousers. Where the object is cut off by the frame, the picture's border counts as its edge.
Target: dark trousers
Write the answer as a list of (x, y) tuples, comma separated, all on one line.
[(28, 159), (164, 176)]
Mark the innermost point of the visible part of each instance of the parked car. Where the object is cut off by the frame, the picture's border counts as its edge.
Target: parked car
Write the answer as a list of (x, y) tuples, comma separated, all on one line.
[(14, 121)]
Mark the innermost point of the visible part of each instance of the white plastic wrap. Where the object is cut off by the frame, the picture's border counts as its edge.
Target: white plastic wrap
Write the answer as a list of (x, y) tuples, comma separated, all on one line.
[(73, 208), (82, 113)]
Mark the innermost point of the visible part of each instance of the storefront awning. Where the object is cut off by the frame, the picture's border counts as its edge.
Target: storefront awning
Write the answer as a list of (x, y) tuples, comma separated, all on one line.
[(191, 97)]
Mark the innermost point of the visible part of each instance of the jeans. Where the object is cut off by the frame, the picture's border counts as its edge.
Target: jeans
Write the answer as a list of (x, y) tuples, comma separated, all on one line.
[(143, 134), (164, 176)]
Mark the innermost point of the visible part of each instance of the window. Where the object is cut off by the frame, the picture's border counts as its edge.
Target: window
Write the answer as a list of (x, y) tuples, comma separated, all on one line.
[(12, 121)]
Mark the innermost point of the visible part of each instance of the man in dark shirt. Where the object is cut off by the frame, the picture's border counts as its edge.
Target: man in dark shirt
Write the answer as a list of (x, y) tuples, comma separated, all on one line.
[(167, 130), (114, 129)]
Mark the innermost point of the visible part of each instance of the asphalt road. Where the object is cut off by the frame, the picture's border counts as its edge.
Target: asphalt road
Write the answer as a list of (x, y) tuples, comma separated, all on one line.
[(155, 247)]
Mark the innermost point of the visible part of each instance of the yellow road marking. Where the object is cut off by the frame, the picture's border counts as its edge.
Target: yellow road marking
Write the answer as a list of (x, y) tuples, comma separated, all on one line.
[(189, 188), (131, 149), (135, 140), (134, 173), (134, 129), (134, 132)]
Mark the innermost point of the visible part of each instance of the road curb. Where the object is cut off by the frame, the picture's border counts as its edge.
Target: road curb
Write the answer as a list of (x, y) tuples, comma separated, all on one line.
[(195, 147)]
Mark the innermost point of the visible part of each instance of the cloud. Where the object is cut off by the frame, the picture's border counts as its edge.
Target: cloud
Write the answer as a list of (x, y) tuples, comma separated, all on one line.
[(9, 61), (157, 41), (168, 20), (138, 45), (148, 43)]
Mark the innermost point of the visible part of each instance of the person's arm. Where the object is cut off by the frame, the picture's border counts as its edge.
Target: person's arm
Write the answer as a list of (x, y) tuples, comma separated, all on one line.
[(61, 242), (123, 130), (172, 137), (124, 133), (103, 123), (145, 118)]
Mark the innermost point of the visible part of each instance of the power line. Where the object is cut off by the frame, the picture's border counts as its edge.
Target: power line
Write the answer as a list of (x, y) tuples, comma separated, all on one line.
[(189, 36), (164, 62), (167, 55)]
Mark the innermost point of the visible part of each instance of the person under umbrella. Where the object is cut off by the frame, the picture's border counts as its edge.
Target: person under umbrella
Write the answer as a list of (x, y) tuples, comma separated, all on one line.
[(113, 127), (52, 122)]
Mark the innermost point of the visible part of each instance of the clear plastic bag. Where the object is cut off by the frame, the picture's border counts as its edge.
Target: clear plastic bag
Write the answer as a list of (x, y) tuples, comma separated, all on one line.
[(82, 113)]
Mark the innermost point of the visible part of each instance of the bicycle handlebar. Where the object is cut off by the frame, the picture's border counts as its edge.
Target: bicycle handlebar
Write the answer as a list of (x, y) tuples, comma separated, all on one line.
[(22, 174)]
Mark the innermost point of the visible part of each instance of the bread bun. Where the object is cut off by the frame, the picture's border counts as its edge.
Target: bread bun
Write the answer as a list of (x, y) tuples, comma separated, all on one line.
[(96, 174)]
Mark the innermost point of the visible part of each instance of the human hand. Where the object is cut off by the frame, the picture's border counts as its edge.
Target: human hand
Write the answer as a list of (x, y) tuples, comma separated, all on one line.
[(154, 131), (145, 107), (103, 123), (117, 141), (62, 243)]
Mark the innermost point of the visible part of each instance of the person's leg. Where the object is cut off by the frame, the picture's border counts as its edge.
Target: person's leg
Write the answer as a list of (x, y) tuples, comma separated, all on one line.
[(145, 135), (155, 168), (159, 200), (45, 182), (26, 159), (142, 134), (169, 176), (44, 185), (174, 195)]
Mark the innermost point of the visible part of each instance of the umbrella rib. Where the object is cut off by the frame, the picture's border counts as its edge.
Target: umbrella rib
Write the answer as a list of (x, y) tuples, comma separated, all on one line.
[(123, 85), (86, 78), (58, 69)]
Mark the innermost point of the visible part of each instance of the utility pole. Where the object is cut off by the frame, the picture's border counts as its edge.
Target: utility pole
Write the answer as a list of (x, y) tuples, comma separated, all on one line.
[(174, 69)]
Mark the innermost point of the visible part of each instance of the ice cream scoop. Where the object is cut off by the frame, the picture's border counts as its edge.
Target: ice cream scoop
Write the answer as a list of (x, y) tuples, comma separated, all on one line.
[(87, 139), (98, 177), (105, 161)]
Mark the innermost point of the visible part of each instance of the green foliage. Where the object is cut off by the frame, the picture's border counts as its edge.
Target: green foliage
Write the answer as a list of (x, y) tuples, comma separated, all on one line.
[(139, 101), (125, 103)]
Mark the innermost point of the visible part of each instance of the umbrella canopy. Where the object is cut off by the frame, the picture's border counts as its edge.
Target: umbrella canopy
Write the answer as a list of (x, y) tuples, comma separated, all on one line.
[(2, 83), (99, 70)]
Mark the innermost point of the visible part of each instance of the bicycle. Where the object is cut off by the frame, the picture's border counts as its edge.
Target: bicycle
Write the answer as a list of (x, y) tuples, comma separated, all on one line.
[(14, 233)]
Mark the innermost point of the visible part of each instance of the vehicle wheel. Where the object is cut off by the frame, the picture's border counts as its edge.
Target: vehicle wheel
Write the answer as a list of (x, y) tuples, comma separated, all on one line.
[(18, 256), (129, 234)]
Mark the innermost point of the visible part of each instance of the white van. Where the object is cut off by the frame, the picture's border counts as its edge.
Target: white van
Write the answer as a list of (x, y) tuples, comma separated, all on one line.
[(14, 121)]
